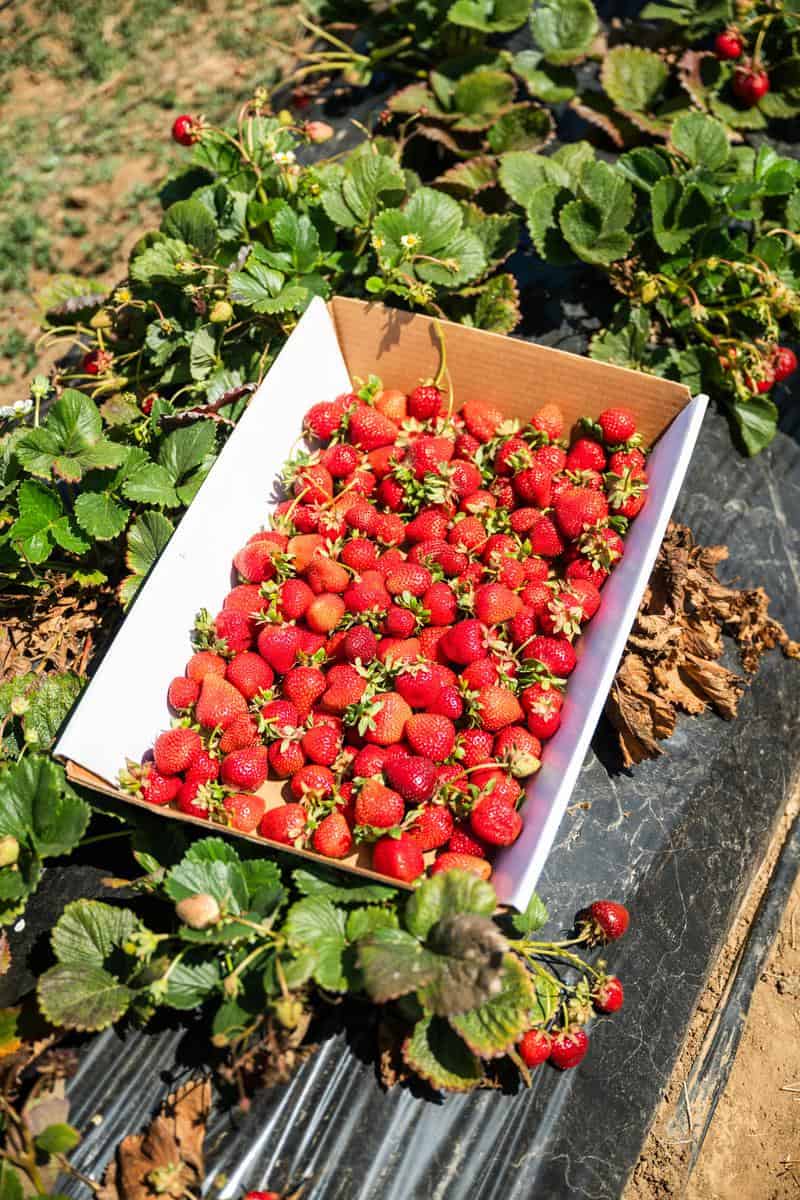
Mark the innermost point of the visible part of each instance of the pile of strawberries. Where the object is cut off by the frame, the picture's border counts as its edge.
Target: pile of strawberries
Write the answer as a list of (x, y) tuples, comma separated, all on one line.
[(399, 642)]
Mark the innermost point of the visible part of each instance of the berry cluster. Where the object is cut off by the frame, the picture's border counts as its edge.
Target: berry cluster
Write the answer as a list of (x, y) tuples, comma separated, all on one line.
[(400, 640)]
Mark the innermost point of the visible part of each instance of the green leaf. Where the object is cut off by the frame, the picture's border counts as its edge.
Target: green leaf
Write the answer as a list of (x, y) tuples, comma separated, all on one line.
[(594, 224), (191, 222), (439, 1056), (362, 921), (680, 210), (151, 484), (552, 84), (147, 537), (634, 78), (466, 178), (480, 96), (644, 166), (186, 449), (57, 1139), (497, 306), (522, 173), (202, 353), (701, 139), (88, 930), (533, 917), (70, 442), (757, 422), (99, 515), (524, 128), (39, 808), (160, 261), (210, 866), (298, 237), (435, 220), (489, 16), (334, 887), (42, 523), (448, 894), (368, 183), (263, 880), (491, 1028), (189, 982), (10, 1182), (82, 997), (624, 342), (316, 924), (48, 707), (564, 29), (546, 996)]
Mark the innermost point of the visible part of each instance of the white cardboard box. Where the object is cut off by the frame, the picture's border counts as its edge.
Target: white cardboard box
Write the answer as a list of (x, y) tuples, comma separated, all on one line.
[(125, 705)]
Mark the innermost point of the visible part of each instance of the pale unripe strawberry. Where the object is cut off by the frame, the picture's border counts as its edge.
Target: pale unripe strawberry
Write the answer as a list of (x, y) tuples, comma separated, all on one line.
[(198, 912)]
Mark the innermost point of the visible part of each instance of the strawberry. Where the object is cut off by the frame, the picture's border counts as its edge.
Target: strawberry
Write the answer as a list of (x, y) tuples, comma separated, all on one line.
[(344, 687), (608, 994), (197, 799), (387, 717), (378, 806), (465, 482), (428, 455), (393, 404), (244, 812), (534, 1047), (321, 744), (203, 663), (467, 446), (522, 627), (586, 455), (370, 429), (465, 642), (425, 402), (399, 623), (556, 653), (578, 509), (340, 460), (479, 674), (550, 420), (750, 85), (563, 614), (359, 554), (205, 767), (497, 784), (361, 597), (332, 838), (429, 523), (627, 460), (325, 612), (303, 548), (255, 562), (617, 424), (514, 455), (249, 674), (605, 921), (568, 1047), (322, 420), (419, 684), (391, 494), (359, 643), (545, 539), (475, 747), (278, 718), (463, 841), (413, 776), (448, 703), (518, 750), (325, 575), (455, 861), (408, 577), (534, 485), (186, 129), (303, 686), (784, 364), (245, 769), (285, 758), (398, 858), (543, 706), (431, 827), (312, 780), (728, 45), (495, 821), (183, 693), (219, 703), (553, 458), (496, 603), (497, 707), (285, 824), (626, 493), (159, 789), (430, 735), (234, 631), (242, 732), (481, 419)]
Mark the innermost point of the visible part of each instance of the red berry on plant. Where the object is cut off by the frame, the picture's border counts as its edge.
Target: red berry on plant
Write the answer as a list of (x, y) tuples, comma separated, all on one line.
[(535, 1047), (784, 364), (185, 130), (606, 920), (608, 995), (750, 85), (728, 45), (569, 1047)]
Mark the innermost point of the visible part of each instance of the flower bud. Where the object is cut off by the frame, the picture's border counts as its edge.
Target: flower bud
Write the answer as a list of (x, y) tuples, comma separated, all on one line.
[(198, 912)]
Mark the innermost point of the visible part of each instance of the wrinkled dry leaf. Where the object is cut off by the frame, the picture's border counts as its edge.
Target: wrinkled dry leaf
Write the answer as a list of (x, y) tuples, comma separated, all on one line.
[(58, 628), (671, 661), (167, 1160)]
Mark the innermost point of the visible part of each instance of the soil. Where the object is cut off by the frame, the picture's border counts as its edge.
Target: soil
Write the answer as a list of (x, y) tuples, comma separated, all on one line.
[(752, 1148)]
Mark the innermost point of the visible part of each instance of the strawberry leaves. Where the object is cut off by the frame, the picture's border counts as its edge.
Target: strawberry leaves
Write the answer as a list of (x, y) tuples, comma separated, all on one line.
[(69, 443)]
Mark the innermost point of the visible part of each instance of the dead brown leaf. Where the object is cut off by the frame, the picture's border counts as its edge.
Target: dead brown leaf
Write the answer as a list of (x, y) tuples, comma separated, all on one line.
[(671, 661), (167, 1160)]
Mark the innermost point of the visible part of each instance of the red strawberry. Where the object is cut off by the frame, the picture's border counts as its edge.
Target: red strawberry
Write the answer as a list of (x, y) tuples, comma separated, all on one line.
[(242, 732), (183, 693), (285, 824), (279, 645), (432, 827), (608, 995), (399, 858), (455, 861), (322, 420), (550, 420), (359, 554), (464, 842), (497, 707), (534, 485), (388, 716), (408, 577), (246, 769), (314, 780), (285, 758), (203, 663), (369, 761), (185, 129), (480, 674), (419, 684), (249, 674), (325, 612), (626, 493), (535, 1046), (378, 807), (303, 686), (627, 460), (359, 643), (518, 750), (325, 575), (543, 706), (340, 460), (556, 653), (578, 509), (370, 429), (332, 837), (495, 821), (586, 455), (429, 523), (392, 403), (496, 603), (475, 747), (234, 630), (361, 597), (554, 458), (425, 402), (481, 419), (497, 784), (344, 687), (465, 482), (728, 45), (159, 789), (413, 776), (523, 626), (279, 718), (430, 735), (617, 424), (605, 920), (465, 642), (244, 812), (219, 703), (427, 455), (784, 363), (197, 799), (321, 744), (569, 1047), (399, 623), (255, 561), (545, 538), (750, 85), (448, 703)]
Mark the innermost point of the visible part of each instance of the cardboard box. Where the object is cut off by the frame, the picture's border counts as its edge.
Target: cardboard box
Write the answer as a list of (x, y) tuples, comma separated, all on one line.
[(125, 705)]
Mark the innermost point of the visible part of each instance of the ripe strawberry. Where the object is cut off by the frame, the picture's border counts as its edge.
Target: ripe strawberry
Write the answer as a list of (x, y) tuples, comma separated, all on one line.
[(279, 645), (205, 767), (465, 482), (498, 707), (196, 799), (429, 523), (480, 674), (618, 425), (545, 539), (312, 780), (605, 921), (159, 789), (233, 630), (185, 130), (440, 553), (728, 45), (498, 784), (514, 455), (550, 420), (294, 597), (285, 824), (332, 837), (586, 455), (468, 535), (279, 718), (359, 643), (340, 460), (322, 420), (496, 603), (321, 744), (430, 735), (608, 995), (244, 812), (378, 806), (518, 750), (535, 1046), (556, 653), (408, 577), (361, 597), (563, 614), (242, 732), (543, 706), (399, 623), (432, 827), (627, 493), (399, 858), (249, 674), (245, 769), (475, 747), (183, 693), (428, 455), (569, 1047), (455, 861), (465, 642), (303, 686), (481, 419), (463, 841), (578, 509), (784, 363), (370, 429), (388, 716), (391, 494), (425, 402), (285, 758), (534, 485), (589, 596), (255, 562), (325, 612), (419, 684), (369, 761), (448, 703), (325, 575), (203, 663), (393, 404), (344, 687), (495, 821), (359, 554), (219, 703), (523, 626), (413, 776), (750, 85)]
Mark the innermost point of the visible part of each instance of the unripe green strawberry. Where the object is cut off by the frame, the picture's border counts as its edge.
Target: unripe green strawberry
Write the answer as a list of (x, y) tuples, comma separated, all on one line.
[(200, 911)]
